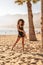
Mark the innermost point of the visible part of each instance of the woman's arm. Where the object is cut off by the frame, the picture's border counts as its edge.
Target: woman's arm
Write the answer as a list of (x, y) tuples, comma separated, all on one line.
[(19, 29)]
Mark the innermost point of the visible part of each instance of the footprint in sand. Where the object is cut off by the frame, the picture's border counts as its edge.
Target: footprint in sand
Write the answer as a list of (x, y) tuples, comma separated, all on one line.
[(39, 62), (33, 61), (2, 56), (7, 61), (2, 63)]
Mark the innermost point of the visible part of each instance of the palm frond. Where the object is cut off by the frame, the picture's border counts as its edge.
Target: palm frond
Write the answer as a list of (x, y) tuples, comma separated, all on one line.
[(22, 1)]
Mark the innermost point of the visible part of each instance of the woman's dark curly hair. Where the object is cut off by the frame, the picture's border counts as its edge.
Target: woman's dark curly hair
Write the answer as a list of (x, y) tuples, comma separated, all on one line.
[(21, 21)]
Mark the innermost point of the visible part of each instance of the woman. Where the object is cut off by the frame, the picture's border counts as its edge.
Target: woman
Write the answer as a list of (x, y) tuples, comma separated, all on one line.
[(21, 32)]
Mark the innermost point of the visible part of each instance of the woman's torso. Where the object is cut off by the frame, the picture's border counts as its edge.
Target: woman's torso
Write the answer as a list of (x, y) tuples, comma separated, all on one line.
[(21, 34), (21, 28)]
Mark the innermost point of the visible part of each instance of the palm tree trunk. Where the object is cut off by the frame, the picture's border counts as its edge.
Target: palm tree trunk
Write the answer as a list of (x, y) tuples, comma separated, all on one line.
[(32, 36), (42, 21)]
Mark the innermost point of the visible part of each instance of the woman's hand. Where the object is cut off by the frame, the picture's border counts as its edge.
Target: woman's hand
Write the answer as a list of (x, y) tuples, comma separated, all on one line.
[(25, 35), (20, 30)]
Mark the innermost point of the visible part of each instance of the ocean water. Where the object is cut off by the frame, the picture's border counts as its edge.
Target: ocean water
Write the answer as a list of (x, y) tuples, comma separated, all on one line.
[(13, 31)]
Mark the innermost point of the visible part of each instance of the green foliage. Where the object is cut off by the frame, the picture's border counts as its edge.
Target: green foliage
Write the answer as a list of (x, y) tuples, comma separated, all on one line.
[(35, 1), (22, 1)]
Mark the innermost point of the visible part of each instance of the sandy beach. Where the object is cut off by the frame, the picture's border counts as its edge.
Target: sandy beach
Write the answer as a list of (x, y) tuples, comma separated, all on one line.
[(30, 56), (17, 16)]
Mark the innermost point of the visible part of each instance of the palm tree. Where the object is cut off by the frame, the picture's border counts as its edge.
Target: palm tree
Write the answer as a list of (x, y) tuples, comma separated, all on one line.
[(32, 36), (42, 21)]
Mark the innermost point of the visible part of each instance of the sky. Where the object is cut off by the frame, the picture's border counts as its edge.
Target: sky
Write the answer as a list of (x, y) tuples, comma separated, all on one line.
[(9, 7)]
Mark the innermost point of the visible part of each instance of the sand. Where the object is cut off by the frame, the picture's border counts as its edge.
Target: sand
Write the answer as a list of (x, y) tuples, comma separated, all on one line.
[(30, 56)]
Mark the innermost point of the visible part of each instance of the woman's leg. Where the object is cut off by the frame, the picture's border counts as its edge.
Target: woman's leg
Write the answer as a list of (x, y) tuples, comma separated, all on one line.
[(16, 42), (23, 43)]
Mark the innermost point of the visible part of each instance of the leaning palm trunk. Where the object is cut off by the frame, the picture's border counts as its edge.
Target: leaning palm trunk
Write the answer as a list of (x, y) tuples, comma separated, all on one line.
[(32, 36), (42, 21)]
